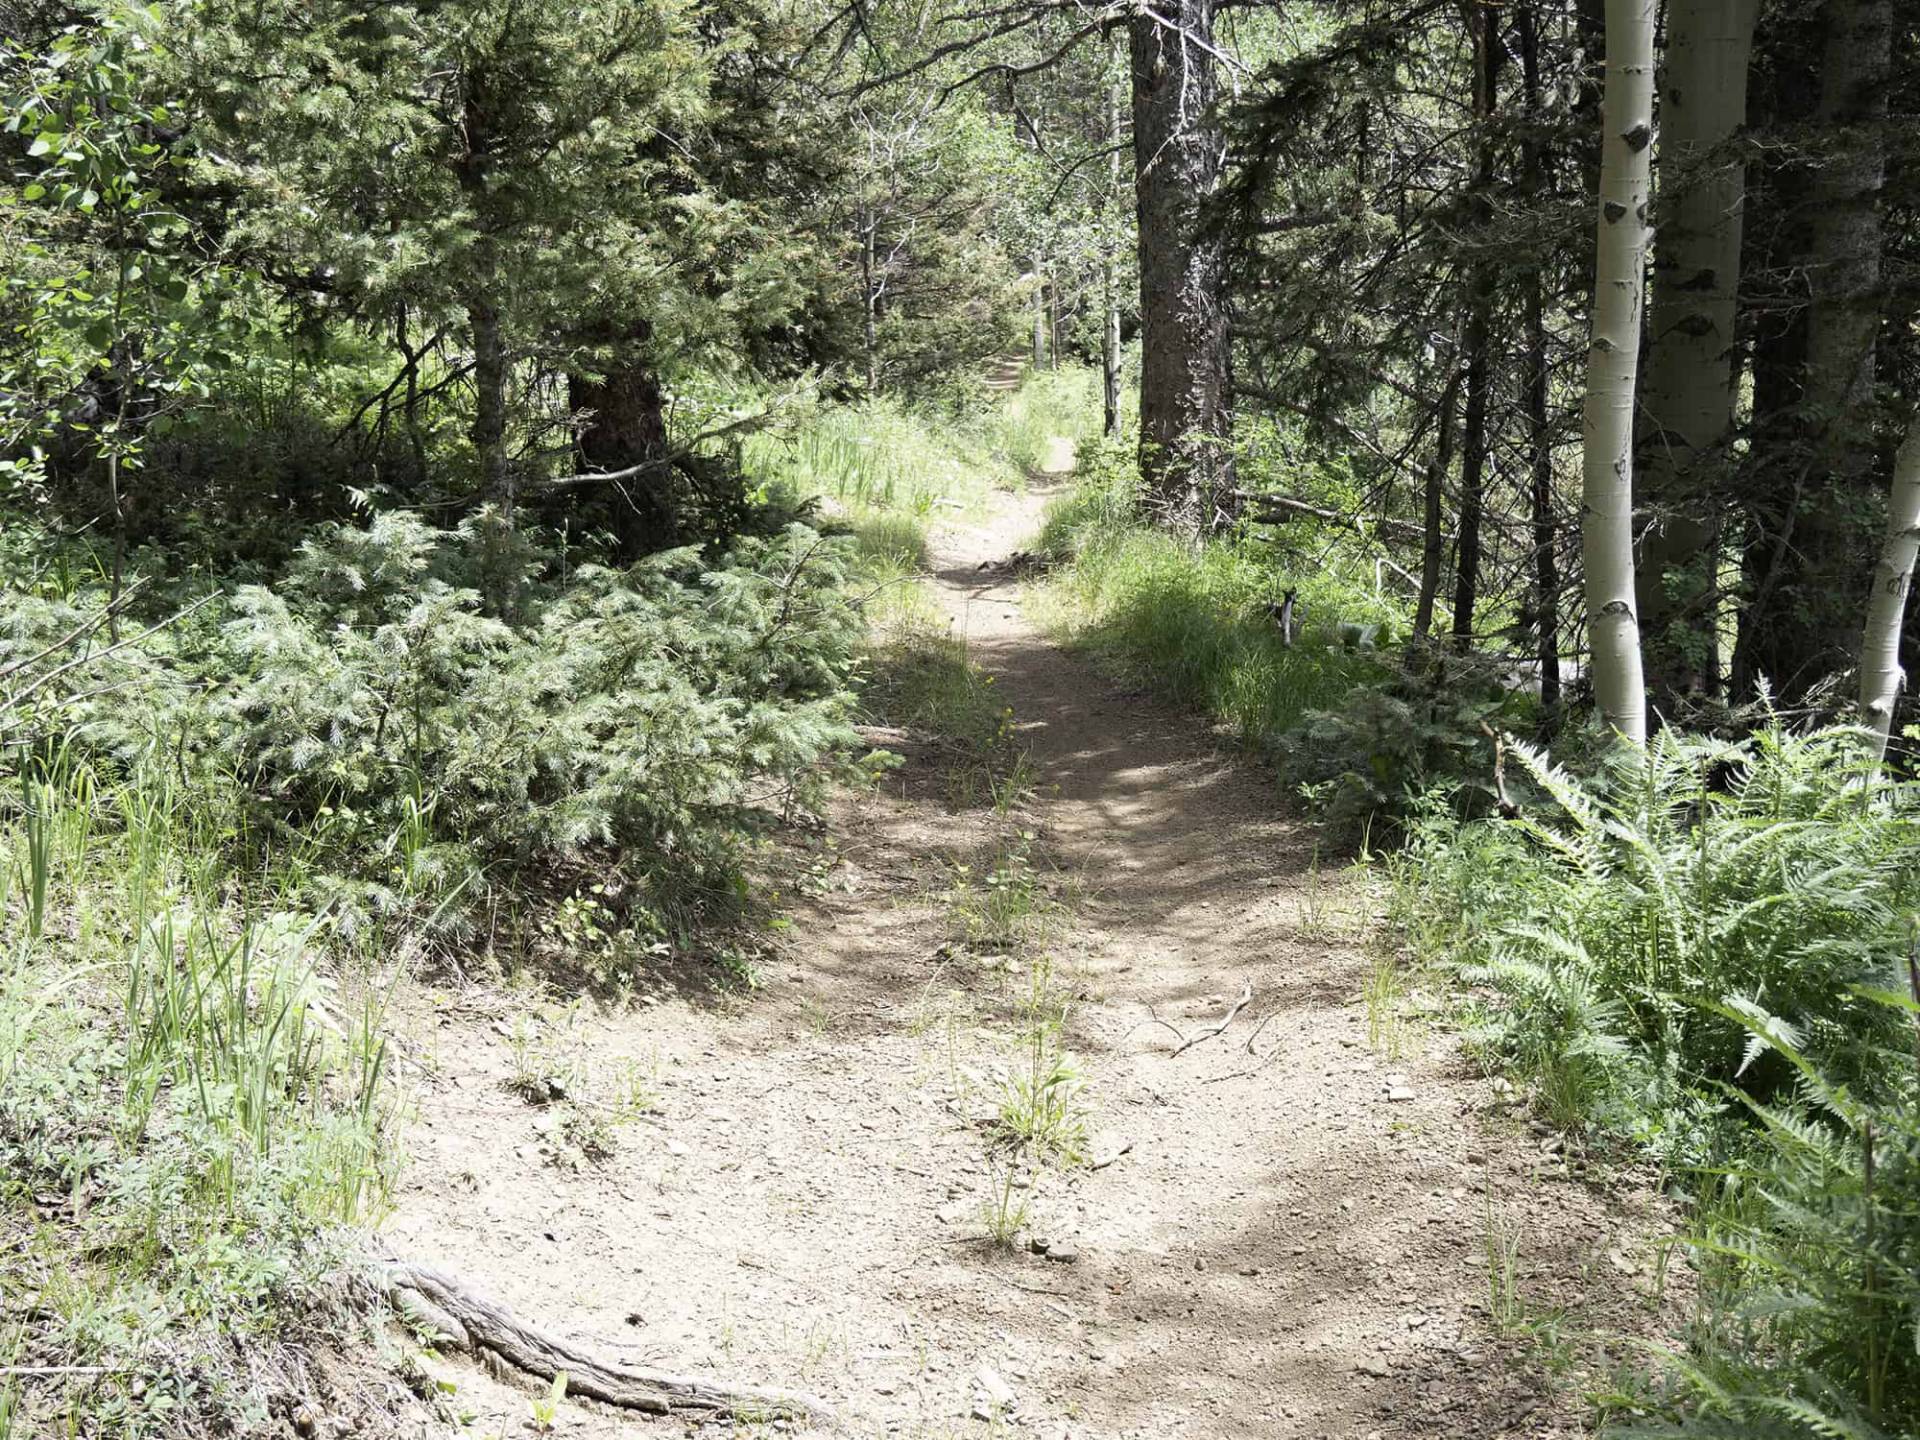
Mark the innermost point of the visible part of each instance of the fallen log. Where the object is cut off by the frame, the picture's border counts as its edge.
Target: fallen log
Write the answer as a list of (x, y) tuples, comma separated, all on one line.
[(464, 1319), (1284, 507)]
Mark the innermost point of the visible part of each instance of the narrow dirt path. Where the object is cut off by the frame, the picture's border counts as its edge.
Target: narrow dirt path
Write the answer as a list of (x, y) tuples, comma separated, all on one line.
[(1293, 1243)]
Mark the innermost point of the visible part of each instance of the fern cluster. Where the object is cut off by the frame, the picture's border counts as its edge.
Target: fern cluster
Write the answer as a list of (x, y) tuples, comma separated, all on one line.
[(1639, 925), (1704, 951), (1812, 1252)]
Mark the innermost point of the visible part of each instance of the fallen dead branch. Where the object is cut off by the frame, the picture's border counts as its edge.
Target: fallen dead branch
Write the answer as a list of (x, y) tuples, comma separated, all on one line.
[(1218, 1026), (1101, 1162), (468, 1321)]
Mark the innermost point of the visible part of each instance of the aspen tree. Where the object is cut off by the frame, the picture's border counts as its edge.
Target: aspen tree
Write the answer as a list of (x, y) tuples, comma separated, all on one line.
[(1606, 521), (1880, 674)]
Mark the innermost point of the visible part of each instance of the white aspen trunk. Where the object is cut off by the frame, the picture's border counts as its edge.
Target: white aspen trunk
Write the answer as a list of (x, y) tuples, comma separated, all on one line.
[(1619, 288), (1687, 398), (1880, 674)]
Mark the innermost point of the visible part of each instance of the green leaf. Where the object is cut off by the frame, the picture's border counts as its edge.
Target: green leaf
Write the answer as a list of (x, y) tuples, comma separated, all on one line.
[(34, 191)]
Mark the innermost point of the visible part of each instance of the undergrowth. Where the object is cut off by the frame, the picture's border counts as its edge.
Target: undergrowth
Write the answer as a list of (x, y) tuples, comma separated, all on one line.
[(1198, 623), (193, 1108), (1703, 954)]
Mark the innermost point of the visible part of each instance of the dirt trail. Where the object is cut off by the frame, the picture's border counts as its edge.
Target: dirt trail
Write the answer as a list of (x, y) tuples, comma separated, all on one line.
[(1293, 1245)]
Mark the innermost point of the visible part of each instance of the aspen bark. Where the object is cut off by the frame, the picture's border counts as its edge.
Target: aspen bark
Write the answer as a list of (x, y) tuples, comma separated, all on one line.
[(1613, 362), (1880, 673), (1687, 400)]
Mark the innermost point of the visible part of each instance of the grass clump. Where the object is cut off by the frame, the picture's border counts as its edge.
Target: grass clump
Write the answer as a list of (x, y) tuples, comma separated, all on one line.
[(193, 1109), (882, 456), (1197, 623)]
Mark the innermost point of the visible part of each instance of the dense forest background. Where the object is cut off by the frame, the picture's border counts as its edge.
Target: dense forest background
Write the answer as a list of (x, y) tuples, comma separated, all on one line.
[(452, 457)]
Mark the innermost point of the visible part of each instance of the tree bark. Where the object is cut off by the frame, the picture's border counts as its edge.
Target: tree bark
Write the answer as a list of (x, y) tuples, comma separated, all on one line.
[(1109, 267), (1039, 316), (1813, 537), (1434, 551), (1880, 672), (870, 293), (1546, 565), (621, 422), (1687, 400), (1483, 31), (482, 299), (1186, 371), (489, 432), (1606, 528)]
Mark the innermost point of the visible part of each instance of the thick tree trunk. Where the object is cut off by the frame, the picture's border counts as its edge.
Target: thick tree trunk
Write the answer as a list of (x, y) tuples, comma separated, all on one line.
[(489, 432), (1687, 400), (621, 419), (1186, 372), (1546, 566), (1484, 32), (1814, 479), (1880, 673), (1606, 529)]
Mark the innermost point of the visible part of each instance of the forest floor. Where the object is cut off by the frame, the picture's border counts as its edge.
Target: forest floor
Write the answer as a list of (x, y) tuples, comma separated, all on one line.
[(1307, 1225)]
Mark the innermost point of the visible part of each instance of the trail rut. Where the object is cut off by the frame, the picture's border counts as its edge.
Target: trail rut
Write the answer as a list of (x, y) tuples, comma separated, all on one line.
[(1292, 1243)]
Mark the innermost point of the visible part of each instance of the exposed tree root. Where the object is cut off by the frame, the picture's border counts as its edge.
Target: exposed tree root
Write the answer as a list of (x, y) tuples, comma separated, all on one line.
[(469, 1321)]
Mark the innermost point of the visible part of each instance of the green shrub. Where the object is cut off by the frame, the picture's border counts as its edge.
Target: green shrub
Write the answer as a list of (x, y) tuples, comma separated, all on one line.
[(369, 724), (1197, 623), (1418, 733)]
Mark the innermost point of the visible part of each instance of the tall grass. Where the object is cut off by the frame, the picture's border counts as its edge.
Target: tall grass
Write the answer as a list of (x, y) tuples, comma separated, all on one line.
[(177, 1067), (1051, 405), (1196, 621), (881, 456)]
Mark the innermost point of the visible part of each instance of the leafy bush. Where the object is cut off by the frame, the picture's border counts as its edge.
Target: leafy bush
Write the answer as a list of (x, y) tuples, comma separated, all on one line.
[(1419, 734), (368, 721)]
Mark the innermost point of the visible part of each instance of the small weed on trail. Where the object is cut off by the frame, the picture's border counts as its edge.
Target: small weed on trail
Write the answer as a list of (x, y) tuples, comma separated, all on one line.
[(1040, 1109), (1001, 902), (549, 1064)]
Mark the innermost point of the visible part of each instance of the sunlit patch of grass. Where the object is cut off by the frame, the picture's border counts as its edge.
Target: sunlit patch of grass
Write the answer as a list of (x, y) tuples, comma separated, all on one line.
[(1194, 624)]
